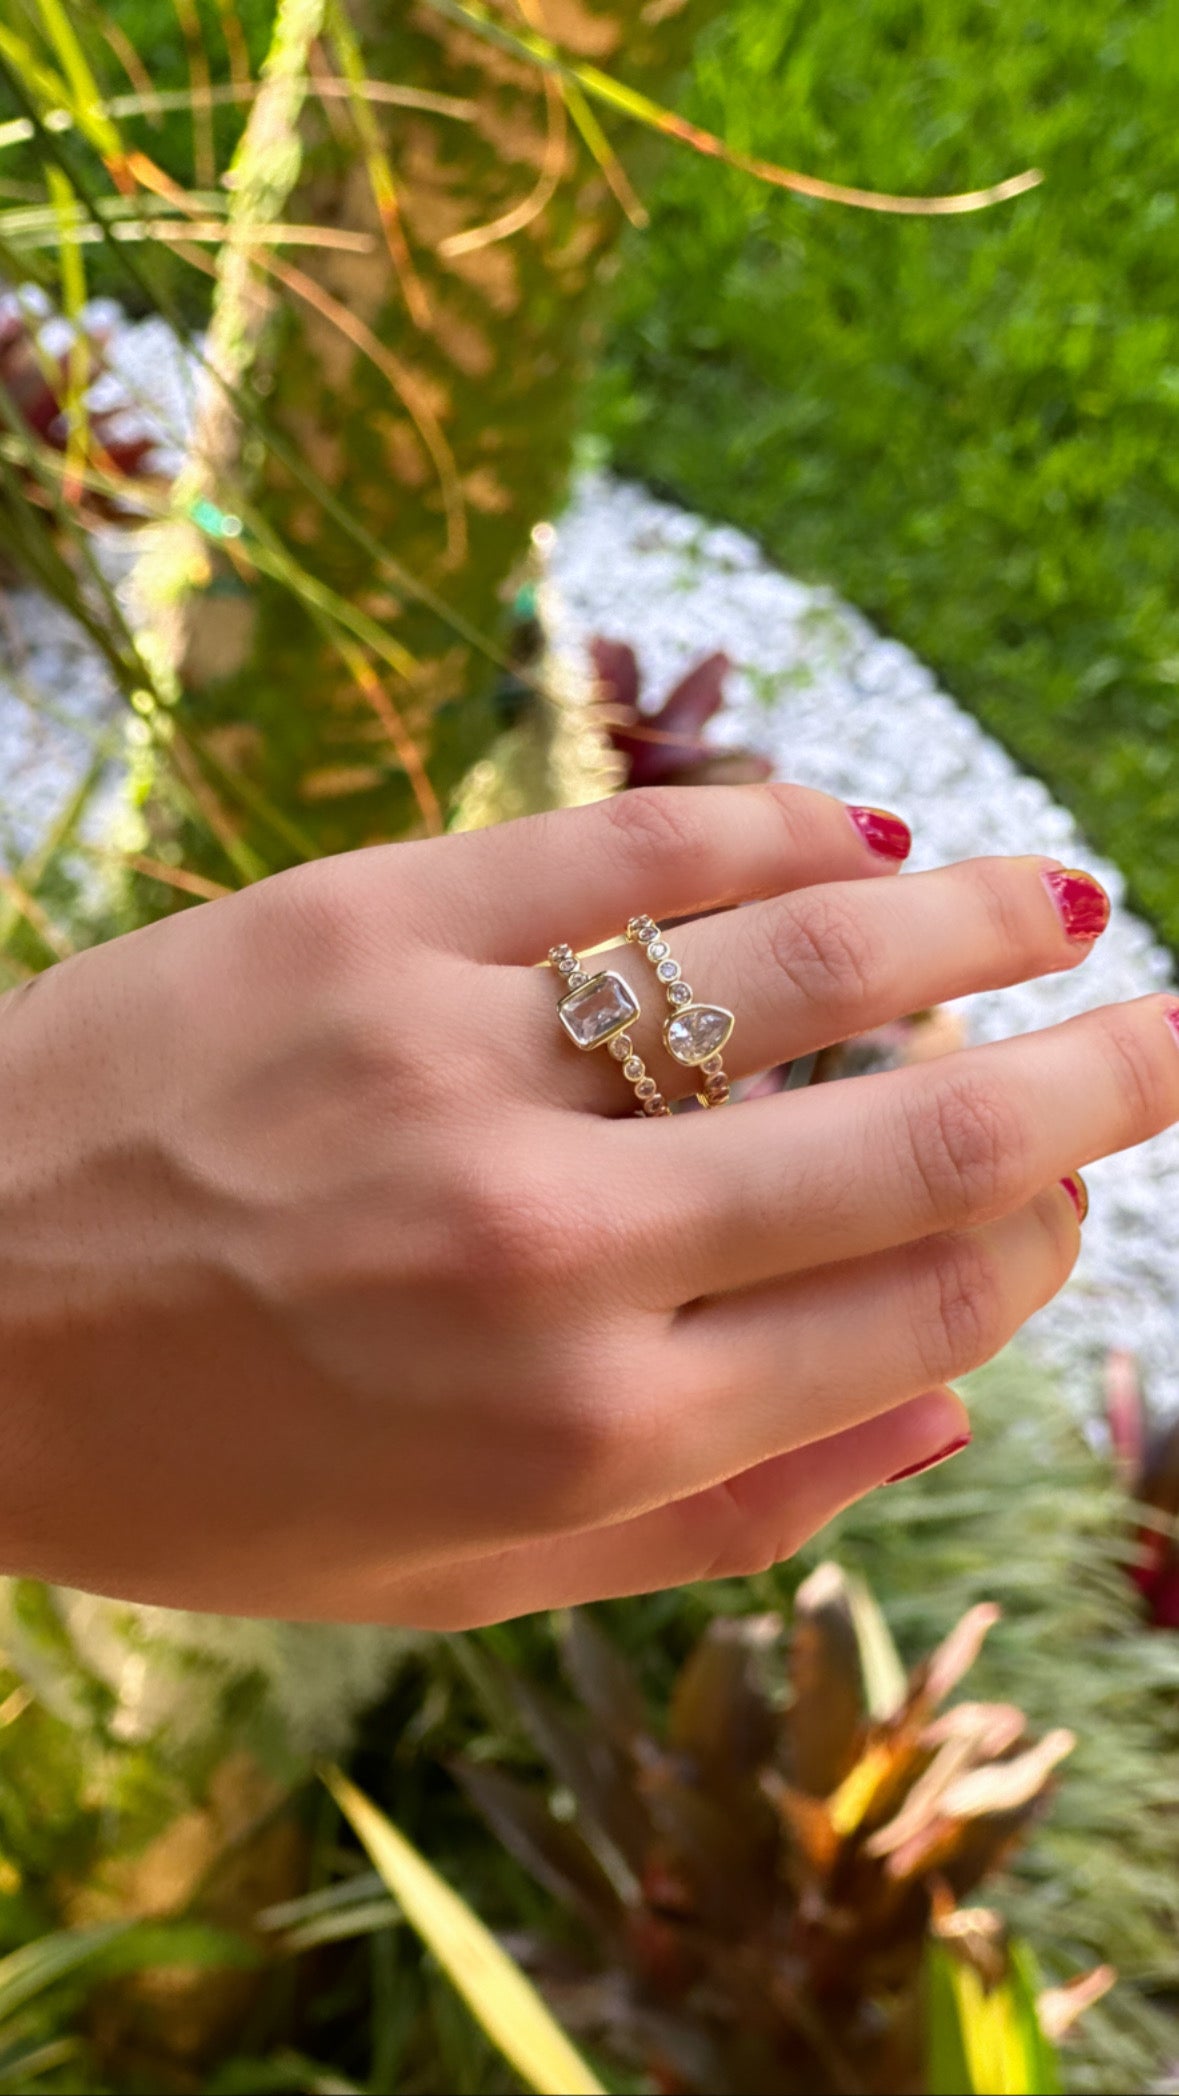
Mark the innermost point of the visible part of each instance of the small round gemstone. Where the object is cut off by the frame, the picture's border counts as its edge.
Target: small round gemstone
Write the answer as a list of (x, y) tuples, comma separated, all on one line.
[(620, 1047), (633, 1067), (654, 1104), (716, 1088), (646, 1088), (713, 1067), (646, 931), (634, 929), (577, 981), (657, 951), (679, 993), (667, 971), (567, 965)]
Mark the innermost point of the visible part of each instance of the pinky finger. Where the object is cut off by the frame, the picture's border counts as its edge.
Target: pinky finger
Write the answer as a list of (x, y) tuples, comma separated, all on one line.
[(733, 1530)]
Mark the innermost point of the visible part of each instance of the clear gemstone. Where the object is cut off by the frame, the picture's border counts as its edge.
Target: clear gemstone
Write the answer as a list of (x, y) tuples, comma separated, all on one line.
[(712, 1066), (657, 950), (621, 1046), (667, 971), (567, 965), (578, 979), (679, 993), (646, 1088), (646, 932), (597, 1008), (654, 1104), (697, 1032), (558, 954), (633, 1067)]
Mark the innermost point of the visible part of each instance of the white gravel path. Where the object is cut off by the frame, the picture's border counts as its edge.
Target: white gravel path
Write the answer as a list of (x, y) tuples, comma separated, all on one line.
[(835, 706), (829, 701)]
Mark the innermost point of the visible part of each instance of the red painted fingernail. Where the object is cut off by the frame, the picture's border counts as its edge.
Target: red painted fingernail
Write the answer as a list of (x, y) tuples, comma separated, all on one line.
[(886, 834), (952, 1448), (1082, 902), (1078, 1193), (1173, 1019)]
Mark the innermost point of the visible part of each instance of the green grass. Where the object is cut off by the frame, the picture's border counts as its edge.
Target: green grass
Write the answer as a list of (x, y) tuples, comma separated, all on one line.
[(970, 425), (153, 29)]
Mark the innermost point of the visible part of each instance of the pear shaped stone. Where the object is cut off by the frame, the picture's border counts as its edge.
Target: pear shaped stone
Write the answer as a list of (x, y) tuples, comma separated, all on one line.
[(697, 1031)]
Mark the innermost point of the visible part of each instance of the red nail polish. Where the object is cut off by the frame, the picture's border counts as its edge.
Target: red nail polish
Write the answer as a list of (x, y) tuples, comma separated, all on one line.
[(943, 1455), (1081, 901), (1173, 1020), (884, 833), (1078, 1193)]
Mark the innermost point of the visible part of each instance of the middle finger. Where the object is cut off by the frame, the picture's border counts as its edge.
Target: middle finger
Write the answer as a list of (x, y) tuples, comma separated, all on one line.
[(814, 966)]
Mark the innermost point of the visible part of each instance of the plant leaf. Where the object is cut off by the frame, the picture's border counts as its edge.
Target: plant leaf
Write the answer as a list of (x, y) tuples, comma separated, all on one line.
[(505, 2004), (720, 1713), (881, 1665), (554, 1853), (606, 1684), (825, 1722), (26, 1972)]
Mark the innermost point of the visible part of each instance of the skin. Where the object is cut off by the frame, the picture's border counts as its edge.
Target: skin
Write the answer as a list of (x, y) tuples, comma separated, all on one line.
[(336, 1282)]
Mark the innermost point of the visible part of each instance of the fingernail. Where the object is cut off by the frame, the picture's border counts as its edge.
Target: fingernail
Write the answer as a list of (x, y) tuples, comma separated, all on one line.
[(952, 1448), (1078, 1193), (1173, 1019), (885, 834), (1081, 902)]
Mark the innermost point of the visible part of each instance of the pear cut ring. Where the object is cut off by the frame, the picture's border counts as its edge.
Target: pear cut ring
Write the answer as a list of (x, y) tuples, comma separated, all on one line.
[(693, 1033), (596, 1011)]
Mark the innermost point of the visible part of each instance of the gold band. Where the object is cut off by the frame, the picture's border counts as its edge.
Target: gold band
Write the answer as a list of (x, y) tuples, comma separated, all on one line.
[(596, 1011), (693, 1034)]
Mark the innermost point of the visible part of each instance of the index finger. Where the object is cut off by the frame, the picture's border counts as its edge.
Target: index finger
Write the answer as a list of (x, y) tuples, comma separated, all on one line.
[(579, 874)]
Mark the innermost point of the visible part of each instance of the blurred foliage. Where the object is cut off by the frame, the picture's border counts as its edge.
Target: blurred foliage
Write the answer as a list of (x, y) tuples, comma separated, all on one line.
[(968, 427), (763, 1873), (133, 43)]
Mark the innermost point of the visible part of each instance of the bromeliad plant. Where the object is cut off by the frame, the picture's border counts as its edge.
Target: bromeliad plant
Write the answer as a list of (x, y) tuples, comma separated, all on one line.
[(776, 1887)]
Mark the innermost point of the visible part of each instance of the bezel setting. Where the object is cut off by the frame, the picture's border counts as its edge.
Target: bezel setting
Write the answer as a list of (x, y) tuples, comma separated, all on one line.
[(598, 1009), (711, 1023)]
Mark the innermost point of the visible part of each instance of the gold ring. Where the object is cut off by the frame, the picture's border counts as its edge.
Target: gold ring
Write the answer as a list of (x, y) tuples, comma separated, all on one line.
[(596, 1011), (694, 1034)]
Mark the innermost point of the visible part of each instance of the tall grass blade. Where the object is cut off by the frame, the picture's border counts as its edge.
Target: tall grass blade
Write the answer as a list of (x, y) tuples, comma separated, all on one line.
[(642, 110), (27, 1972), (504, 2003)]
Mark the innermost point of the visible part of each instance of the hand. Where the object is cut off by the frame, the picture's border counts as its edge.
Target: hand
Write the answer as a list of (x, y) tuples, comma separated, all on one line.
[(336, 1282)]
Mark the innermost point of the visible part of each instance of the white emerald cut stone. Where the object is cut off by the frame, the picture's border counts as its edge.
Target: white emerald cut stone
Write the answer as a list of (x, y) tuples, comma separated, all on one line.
[(598, 1010), (696, 1032)]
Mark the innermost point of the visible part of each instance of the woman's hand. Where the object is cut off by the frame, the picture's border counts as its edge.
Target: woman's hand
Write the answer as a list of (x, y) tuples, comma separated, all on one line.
[(336, 1282)]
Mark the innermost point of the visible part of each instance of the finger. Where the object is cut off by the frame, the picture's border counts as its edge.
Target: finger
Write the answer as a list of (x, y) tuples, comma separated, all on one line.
[(579, 874), (752, 1376), (806, 969), (730, 1531), (777, 1185)]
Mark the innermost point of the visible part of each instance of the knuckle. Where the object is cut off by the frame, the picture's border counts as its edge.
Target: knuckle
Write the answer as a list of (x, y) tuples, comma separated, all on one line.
[(599, 1440), (1144, 1081), (1004, 897), (525, 1236), (824, 951), (969, 1146), (658, 824), (310, 919), (512, 1237), (959, 1320), (746, 1541)]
